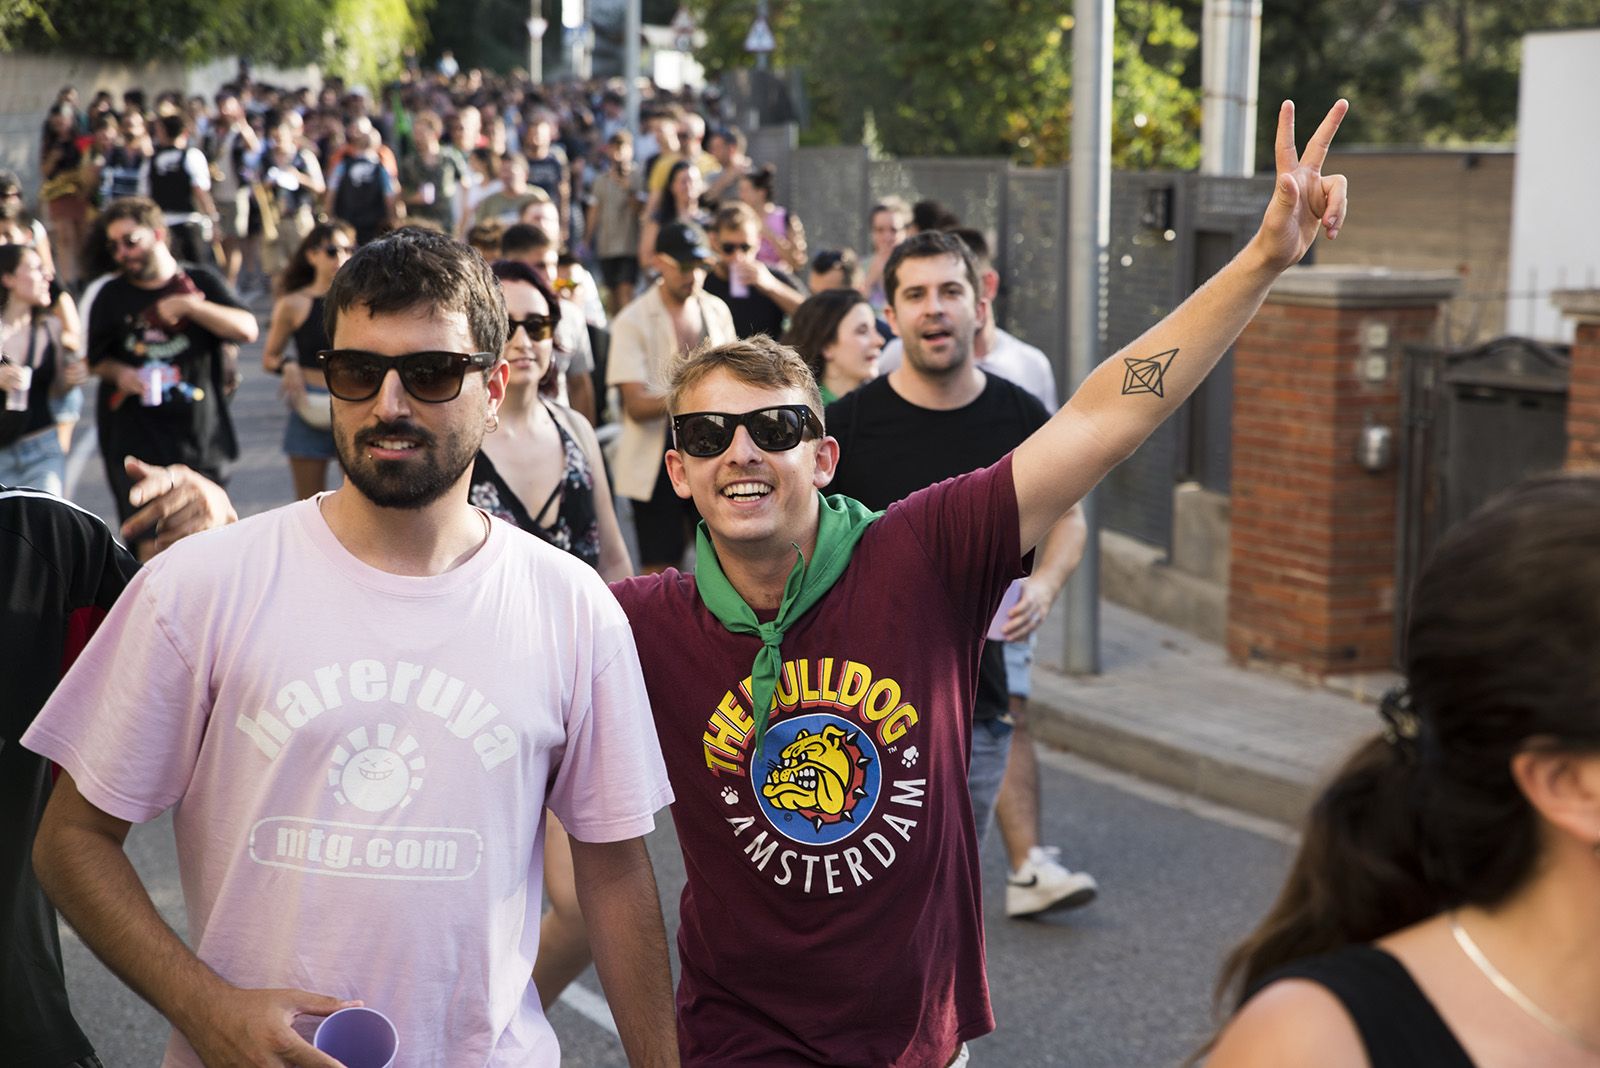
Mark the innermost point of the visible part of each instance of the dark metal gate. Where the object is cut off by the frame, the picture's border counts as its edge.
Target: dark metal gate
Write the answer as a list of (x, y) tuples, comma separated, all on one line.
[(1476, 421)]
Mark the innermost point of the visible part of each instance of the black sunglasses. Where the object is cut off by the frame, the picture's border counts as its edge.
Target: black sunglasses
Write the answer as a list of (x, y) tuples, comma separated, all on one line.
[(730, 247), (430, 377), (775, 429), (333, 249), (539, 327), (128, 240)]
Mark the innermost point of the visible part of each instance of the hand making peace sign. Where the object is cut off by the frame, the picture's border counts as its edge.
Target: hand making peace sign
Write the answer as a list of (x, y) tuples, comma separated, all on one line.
[(1304, 197)]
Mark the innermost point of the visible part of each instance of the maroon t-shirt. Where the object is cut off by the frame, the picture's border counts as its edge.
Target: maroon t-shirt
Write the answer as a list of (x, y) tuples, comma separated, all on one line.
[(833, 909)]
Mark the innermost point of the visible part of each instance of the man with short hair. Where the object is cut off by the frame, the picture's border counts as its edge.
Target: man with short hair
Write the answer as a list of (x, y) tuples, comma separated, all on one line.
[(673, 316), (361, 190), (935, 416), (367, 721), (548, 168), (726, 147), (761, 298), (232, 143), (291, 184), (515, 194), (158, 337), (178, 178), (812, 680)]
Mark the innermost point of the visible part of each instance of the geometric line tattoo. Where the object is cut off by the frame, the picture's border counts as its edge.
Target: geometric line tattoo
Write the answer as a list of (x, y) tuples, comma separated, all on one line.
[(1145, 375)]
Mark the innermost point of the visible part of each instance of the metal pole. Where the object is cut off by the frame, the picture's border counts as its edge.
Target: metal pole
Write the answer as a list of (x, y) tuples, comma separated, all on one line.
[(535, 45), (1090, 239), (631, 31), (761, 16), (1230, 65)]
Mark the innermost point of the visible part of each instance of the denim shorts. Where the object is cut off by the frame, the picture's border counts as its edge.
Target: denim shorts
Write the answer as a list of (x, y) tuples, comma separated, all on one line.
[(35, 462), (302, 441), (69, 407), (1019, 665), (991, 746)]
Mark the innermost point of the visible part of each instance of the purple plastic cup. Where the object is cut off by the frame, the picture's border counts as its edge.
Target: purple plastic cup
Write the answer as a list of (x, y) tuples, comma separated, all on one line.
[(358, 1038)]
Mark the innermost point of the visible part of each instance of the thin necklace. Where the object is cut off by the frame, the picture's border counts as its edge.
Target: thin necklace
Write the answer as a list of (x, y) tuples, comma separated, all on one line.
[(1506, 987)]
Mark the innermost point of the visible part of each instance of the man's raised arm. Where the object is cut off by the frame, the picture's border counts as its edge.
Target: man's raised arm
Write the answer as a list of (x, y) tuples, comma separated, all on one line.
[(1130, 394)]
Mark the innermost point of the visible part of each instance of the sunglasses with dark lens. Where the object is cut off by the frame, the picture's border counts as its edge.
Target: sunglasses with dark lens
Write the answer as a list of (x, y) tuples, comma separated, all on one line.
[(775, 429), (730, 247), (132, 239), (539, 327), (337, 250), (430, 377)]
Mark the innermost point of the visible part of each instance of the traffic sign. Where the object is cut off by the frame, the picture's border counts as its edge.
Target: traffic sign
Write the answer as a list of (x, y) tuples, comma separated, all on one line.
[(759, 39)]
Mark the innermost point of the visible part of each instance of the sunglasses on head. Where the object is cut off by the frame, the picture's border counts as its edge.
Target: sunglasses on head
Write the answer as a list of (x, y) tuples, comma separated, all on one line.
[(775, 429), (539, 327), (564, 286), (430, 377), (730, 247)]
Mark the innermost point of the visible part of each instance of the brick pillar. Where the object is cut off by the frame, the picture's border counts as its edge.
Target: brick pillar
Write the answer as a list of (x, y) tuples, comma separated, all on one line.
[(1311, 577), (1583, 396)]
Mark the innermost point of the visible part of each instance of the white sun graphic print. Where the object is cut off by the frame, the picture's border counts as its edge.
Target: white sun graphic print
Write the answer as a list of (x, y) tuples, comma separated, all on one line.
[(376, 775)]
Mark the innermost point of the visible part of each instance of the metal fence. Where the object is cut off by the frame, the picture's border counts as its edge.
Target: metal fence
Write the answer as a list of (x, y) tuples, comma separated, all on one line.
[(1169, 233)]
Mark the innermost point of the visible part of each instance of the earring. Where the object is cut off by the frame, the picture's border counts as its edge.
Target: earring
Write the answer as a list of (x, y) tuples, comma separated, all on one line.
[(494, 422)]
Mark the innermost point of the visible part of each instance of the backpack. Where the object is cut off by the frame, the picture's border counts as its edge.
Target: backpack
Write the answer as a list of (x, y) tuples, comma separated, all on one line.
[(359, 199)]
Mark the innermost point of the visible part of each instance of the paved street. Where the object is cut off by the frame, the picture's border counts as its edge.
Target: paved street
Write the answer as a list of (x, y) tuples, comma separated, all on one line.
[(1123, 983)]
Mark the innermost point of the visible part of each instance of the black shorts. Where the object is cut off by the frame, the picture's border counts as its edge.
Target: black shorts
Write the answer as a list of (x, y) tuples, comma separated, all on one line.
[(663, 524), (619, 270)]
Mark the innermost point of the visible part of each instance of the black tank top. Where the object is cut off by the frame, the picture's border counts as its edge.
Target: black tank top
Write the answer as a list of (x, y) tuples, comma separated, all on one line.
[(575, 528), (1399, 1026), (311, 337), (170, 184), (41, 355)]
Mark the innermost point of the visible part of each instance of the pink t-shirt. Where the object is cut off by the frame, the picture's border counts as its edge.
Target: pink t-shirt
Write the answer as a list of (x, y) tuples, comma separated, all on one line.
[(360, 764)]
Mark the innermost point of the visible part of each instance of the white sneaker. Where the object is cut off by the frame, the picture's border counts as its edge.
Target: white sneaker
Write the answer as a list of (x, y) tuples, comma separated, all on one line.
[(1043, 884)]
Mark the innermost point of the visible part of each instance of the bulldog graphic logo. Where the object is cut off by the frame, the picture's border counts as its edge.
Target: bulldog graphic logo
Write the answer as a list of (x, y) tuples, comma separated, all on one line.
[(825, 781)]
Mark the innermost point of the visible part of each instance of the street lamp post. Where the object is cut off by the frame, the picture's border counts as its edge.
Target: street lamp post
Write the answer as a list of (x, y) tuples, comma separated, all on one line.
[(537, 25)]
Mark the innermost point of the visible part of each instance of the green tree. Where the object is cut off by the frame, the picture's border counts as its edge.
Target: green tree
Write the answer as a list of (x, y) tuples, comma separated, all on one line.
[(360, 39), (974, 77)]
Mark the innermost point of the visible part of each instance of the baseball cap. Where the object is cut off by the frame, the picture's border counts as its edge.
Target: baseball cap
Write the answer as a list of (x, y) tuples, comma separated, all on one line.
[(683, 242)]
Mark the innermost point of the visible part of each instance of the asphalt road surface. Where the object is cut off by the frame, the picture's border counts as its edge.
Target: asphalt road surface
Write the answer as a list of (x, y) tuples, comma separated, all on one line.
[(1123, 983)]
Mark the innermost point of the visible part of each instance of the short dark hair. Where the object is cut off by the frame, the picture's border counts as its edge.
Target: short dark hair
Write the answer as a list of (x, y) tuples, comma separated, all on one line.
[(833, 259), (931, 215), (517, 271), (412, 268), (523, 237), (141, 210), (926, 245), (174, 126), (973, 238)]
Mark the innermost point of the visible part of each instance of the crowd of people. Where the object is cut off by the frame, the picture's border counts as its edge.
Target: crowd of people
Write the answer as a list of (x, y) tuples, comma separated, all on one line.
[(585, 322)]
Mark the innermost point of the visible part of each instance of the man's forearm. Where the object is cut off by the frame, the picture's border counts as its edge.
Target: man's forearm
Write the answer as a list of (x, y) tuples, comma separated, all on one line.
[(228, 323), (1062, 550), (88, 877), (617, 893)]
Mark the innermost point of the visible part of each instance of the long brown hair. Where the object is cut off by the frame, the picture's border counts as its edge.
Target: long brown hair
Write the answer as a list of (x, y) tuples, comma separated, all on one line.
[(300, 272), (815, 325), (1502, 653)]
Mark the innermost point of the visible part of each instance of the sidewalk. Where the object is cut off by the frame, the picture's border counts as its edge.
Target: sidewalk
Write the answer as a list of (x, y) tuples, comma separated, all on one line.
[(1170, 708)]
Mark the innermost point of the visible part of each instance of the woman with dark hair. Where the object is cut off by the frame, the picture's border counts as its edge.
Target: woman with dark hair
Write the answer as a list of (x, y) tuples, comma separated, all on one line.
[(1443, 908), (297, 314), (783, 239), (36, 368), (888, 221), (65, 191), (541, 470), (679, 199), (837, 335)]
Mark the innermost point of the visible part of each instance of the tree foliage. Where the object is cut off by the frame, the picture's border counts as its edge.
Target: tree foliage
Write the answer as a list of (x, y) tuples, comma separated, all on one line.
[(975, 77), (360, 39)]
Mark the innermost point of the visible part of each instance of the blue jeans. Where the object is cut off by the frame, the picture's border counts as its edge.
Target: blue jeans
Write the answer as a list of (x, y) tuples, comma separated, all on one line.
[(991, 746), (35, 462), (1019, 666)]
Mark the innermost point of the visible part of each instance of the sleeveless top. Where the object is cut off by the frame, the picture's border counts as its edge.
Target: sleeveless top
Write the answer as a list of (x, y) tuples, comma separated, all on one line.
[(311, 337), (16, 426), (1399, 1026), (575, 528)]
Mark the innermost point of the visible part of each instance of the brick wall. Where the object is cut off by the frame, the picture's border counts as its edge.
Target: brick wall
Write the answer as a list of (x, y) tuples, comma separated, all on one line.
[(1583, 398), (1311, 579)]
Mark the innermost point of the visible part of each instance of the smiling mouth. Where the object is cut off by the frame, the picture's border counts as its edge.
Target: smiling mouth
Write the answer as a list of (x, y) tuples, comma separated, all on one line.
[(746, 491)]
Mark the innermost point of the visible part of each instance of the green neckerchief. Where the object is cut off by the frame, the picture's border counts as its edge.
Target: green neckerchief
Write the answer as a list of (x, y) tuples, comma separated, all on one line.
[(828, 395), (842, 523)]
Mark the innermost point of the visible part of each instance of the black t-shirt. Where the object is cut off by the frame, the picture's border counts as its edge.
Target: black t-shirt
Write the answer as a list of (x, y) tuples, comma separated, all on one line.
[(889, 448), (192, 425), (63, 571), (756, 313)]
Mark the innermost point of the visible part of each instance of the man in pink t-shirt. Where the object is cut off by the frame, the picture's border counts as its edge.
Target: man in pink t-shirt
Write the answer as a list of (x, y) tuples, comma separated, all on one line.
[(359, 707)]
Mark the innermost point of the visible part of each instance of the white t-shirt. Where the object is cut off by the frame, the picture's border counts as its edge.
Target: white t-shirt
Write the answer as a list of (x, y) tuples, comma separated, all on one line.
[(360, 764), (1012, 359)]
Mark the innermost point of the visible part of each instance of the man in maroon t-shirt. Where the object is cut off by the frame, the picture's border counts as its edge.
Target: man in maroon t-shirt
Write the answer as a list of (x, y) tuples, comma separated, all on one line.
[(810, 683)]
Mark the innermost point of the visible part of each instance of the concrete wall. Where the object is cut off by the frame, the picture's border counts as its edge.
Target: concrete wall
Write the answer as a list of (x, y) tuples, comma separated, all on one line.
[(1434, 209), (29, 83), (1555, 239)]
